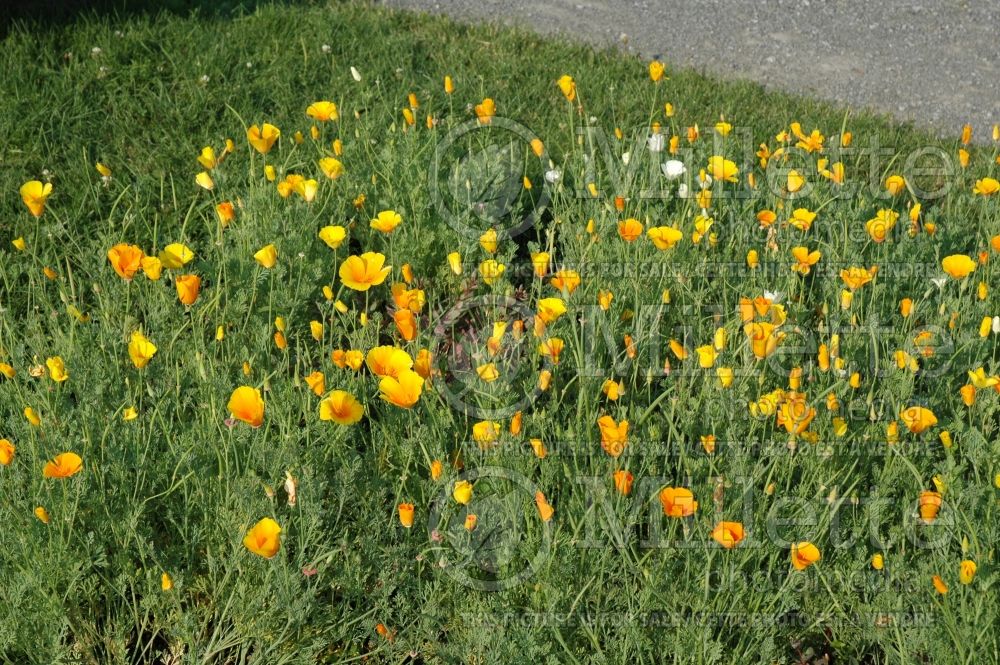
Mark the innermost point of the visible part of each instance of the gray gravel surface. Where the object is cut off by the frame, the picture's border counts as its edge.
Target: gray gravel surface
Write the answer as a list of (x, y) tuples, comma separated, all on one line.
[(935, 62)]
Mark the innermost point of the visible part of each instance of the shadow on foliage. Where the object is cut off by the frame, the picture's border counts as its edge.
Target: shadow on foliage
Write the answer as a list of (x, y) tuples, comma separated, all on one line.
[(39, 15)]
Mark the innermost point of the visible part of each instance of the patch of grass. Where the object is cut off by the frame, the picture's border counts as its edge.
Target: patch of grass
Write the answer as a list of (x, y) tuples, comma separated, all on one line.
[(610, 578)]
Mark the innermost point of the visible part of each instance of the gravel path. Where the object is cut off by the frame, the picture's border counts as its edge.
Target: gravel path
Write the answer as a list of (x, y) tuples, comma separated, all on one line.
[(935, 62)]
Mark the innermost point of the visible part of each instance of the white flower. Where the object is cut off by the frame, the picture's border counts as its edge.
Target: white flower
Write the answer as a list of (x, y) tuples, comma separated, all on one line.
[(552, 176), (996, 324), (939, 281), (626, 156), (774, 296), (356, 74), (704, 180), (682, 190), (326, 48), (673, 169), (655, 143)]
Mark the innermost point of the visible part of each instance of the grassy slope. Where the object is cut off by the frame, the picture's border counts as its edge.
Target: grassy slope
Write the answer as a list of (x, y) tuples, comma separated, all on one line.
[(176, 493)]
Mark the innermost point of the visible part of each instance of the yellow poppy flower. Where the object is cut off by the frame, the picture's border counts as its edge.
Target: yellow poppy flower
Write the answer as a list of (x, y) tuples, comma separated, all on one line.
[(918, 419), (656, 70), (485, 111), (264, 538), (7, 451), (986, 187), (664, 237), (855, 277), (568, 87), (804, 259), (488, 372), (795, 181), (722, 169), (706, 356), (204, 180), (332, 168), (386, 221), (491, 271), (802, 219), (804, 554), (388, 361), (333, 236), (550, 309), (247, 405), (879, 226), (462, 492), (57, 369), (612, 389), (262, 139), (35, 194), (267, 256), (895, 184), (321, 111), (360, 273), (176, 255), (967, 571), (403, 391), (140, 350), (958, 266), (551, 348), (341, 407)]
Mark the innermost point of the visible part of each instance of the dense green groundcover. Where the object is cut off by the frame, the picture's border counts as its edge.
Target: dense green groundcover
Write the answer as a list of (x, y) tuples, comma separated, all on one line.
[(610, 578)]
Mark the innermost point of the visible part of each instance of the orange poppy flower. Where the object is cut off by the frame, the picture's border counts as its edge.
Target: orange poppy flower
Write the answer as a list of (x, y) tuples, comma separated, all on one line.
[(125, 259), (678, 502), (728, 534), (405, 514), (804, 554), (630, 229), (63, 465), (623, 481), (188, 288)]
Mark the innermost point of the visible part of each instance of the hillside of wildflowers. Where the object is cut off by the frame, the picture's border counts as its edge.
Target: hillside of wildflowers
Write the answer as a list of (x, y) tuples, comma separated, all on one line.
[(332, 334)]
